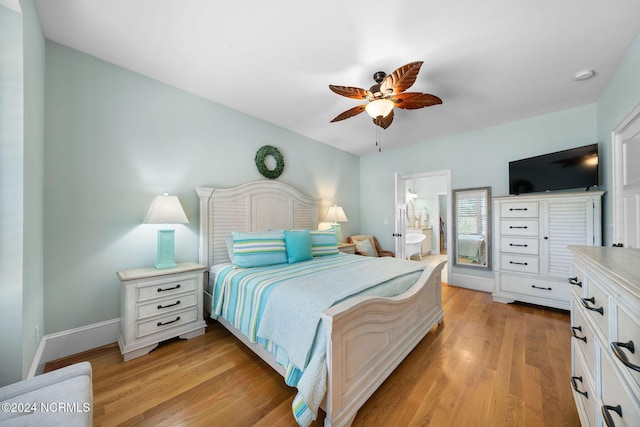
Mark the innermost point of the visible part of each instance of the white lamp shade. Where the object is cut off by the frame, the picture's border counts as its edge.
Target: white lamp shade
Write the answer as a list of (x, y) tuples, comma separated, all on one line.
[(379, 108), (166, 209), (336, 214)]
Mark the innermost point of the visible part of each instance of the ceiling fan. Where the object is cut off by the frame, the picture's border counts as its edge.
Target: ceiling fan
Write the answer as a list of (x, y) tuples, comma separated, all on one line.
[(387, 93)]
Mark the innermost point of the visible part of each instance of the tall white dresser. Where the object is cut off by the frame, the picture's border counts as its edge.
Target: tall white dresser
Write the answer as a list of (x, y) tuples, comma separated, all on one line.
[(531, 235), (605, 328)]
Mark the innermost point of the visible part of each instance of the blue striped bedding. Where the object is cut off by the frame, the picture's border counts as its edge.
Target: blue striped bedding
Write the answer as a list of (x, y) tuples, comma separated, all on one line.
[(279, 307)]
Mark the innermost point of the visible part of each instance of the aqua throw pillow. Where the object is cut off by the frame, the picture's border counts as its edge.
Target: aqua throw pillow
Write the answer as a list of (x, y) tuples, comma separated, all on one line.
[(298, 243), (258, 249), (323, 242)]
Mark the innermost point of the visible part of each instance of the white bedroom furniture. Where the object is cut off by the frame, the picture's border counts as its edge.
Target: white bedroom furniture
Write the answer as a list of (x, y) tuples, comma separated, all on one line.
[(531, 235), (366, 337), (605, 324), (159, 304)]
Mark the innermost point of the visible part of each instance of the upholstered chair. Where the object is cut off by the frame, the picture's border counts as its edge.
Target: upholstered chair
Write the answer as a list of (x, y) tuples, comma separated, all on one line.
[(368, 245)]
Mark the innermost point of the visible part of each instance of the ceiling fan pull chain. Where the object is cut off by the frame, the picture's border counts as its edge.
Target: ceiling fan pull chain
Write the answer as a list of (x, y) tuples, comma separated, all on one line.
[(378, 140)]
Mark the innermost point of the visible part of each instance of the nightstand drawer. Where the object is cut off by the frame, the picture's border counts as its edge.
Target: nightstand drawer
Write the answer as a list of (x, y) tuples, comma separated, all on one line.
[(519, 227), (166, 288), (166, 305), (166, 322)]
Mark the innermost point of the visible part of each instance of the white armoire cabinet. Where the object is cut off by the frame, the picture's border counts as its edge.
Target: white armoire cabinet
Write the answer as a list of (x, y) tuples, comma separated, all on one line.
[(531, 235)]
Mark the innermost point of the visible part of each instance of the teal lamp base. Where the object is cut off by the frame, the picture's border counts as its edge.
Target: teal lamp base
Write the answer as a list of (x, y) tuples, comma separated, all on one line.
[(336, 228), (166, 240)]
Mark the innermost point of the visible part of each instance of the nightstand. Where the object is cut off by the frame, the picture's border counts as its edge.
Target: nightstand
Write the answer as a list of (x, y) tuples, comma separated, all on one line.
[(347, 248), (159, 304)]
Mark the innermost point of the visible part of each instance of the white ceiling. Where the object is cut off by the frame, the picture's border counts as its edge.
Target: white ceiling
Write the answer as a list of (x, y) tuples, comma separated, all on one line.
[(491, 61)]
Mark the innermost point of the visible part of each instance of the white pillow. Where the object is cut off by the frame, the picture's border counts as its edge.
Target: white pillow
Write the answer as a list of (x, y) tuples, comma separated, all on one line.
[(365, 247)]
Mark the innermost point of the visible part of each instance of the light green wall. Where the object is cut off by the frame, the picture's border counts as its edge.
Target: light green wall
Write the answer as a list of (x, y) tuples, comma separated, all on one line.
[(11, 196), (476, 159), (115, 139), (21, 182), (621, 95), (33, 268)]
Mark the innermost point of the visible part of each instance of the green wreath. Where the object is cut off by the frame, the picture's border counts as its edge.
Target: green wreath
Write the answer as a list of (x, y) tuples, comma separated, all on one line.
[(261, 155)]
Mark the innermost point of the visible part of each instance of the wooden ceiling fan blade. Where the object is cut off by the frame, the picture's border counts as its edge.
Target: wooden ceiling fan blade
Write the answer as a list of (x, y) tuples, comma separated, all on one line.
[(415, 100), (351, 92), (384, 122), (402, 78), (349, 113)]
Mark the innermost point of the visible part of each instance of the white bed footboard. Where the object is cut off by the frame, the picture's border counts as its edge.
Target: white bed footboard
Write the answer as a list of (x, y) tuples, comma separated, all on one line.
[(368, 337)]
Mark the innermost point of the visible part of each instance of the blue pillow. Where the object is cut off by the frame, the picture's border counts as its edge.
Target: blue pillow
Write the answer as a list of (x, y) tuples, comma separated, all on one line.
[(298, 244), (323, 242), (258, 249)]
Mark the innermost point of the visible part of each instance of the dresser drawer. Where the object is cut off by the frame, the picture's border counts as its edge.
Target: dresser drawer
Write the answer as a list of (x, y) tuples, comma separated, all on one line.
[(536, 287), (582, 335), (583, 389), (519, 210), (519, 227), (615, 393), (172, 320), (519, 245), (627, 331), (166, 288), (166, 305), (596, 305), (520, 263)]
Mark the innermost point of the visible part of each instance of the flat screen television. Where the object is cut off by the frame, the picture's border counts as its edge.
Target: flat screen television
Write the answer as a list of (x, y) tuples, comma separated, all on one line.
[(563, 170)]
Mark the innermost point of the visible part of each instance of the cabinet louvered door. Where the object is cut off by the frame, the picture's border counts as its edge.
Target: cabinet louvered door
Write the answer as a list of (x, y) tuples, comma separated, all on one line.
[(568, 222)]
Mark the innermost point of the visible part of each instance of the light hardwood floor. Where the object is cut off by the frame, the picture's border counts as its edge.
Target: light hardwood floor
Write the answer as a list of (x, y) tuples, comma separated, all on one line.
[(489, 364)]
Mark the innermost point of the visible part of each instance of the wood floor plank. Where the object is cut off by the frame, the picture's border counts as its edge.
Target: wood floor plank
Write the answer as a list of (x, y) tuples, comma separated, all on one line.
[(488, 364)]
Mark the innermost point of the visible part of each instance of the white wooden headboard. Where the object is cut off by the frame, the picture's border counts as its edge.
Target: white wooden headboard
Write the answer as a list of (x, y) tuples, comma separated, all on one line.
[(255, 206)]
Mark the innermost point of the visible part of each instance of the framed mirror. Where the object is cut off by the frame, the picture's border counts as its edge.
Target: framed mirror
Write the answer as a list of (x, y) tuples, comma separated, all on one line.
[(472, 227)]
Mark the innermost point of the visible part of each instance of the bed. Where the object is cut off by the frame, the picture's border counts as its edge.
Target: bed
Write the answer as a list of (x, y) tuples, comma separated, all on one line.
[(364, 337), (473, 247)]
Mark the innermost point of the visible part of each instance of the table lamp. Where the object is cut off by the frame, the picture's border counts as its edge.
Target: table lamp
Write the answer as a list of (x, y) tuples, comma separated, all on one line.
[(166, 209), (336, 215)]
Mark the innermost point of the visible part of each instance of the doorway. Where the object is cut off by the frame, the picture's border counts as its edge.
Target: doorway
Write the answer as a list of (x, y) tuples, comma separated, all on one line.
[(626, 181), (423, 205)]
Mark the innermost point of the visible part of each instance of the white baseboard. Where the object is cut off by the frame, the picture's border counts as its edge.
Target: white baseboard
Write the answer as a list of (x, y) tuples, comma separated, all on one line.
[(73, 341), (483, 284)]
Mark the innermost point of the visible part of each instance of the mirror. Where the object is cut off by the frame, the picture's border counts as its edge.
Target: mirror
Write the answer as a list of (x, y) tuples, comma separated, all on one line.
[(472, 227)]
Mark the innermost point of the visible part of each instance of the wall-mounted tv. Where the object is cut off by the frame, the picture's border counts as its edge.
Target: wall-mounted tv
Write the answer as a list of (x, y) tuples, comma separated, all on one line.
[(563, 170)]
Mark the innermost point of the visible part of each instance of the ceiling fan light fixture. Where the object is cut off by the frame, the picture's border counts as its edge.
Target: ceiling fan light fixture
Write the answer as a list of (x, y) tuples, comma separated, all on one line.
[(379, 107)]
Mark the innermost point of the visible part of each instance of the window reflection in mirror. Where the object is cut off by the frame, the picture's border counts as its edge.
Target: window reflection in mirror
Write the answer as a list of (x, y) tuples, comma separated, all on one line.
[(472, 227)]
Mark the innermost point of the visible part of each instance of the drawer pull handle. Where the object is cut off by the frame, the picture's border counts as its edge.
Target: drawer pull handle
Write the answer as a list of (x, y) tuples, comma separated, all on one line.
[(169, 322), (518, 209), (585, 303), (607, 416), (539, 287), (160, 306), (617, 350), (575, 386), (573, 332), (169, 289), (518, 263), (517, 226), (574, 281), (520, 246)]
